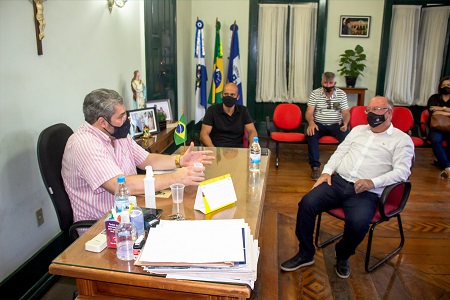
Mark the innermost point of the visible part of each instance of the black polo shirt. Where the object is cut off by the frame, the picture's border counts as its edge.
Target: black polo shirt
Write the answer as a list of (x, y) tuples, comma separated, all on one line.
[(227, 131)]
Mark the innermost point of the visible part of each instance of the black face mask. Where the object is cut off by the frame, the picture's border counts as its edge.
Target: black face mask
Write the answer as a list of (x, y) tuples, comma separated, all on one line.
[(375, 120), (229, 101), (120, 132), (444, 90), (328, 88)]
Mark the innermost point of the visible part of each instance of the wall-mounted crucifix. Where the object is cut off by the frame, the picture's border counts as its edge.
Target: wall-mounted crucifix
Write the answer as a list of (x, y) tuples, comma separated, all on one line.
[(39, 23)]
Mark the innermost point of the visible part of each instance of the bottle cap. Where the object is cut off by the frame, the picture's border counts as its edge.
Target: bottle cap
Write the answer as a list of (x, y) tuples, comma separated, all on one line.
[(121, 179), (148, 171), (255, 139)]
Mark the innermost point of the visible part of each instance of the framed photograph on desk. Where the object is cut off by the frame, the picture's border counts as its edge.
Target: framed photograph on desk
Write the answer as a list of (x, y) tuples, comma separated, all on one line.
[(164, 105), (142, 120)]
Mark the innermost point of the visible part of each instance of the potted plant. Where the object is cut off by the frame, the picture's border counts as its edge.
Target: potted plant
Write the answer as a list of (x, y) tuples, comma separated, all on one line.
[(162, 117), (352, 65)]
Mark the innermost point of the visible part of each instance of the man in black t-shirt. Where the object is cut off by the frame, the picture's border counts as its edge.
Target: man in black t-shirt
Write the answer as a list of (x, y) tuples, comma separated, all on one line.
[(224, 123)]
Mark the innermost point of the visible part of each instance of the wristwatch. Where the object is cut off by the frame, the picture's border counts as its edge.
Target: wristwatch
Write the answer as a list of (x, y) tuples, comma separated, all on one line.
[(177, 161)]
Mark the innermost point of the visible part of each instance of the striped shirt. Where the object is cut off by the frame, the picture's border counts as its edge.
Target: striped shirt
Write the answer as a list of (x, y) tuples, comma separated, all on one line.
[(89, 161), (328, 111)]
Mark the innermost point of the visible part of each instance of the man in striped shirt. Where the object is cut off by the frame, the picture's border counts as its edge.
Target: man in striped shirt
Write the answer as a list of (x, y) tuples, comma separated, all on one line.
[(101, 150), (327, 114)]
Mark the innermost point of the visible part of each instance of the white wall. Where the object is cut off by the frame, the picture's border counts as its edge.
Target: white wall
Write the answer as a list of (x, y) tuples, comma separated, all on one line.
[(85, 47), (337, 45), (227, 11)]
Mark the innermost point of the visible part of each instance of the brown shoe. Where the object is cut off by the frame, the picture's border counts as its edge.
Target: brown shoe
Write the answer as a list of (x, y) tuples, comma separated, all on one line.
[(315, 173)]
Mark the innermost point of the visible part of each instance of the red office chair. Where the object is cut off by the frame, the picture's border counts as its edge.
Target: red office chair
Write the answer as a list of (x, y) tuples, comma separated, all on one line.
[(358, 116), (391, 204), (286, 117), (403, 119)]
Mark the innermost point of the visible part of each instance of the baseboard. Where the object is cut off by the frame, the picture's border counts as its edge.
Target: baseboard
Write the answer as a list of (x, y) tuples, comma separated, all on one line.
[(31, 280)]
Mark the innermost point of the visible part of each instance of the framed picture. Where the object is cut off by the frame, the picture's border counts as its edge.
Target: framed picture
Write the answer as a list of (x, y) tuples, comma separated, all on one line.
[(164, 105), (142, 120), (354, 26)]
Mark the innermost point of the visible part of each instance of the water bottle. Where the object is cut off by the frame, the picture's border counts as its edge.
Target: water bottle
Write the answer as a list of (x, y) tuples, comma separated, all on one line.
[(255, 155), (121, 201), (125, 237)]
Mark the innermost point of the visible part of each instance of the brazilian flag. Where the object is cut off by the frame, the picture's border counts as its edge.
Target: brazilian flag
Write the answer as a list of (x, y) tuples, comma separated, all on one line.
[(180, 135), (215, 95)]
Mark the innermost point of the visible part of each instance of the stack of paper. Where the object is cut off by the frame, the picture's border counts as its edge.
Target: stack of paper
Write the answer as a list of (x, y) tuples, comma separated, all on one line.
[(208, 250)]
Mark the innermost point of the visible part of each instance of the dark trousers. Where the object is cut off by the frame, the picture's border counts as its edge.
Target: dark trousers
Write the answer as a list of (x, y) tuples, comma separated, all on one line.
[(313, 140), (442, 154), (359, 210)]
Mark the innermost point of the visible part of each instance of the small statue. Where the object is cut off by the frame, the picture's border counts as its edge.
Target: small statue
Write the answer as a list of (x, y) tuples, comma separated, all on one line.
[(40, 17), (138, 88)]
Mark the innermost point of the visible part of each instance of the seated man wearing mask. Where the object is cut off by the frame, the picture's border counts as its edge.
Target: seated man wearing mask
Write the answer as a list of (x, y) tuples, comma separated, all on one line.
[(327, 114), (101, 150), (224, 123), (370, 158)]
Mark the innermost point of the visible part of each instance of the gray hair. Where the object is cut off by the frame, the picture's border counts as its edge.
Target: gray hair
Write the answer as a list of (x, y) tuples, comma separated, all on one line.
[(100, 103), (328, 75)]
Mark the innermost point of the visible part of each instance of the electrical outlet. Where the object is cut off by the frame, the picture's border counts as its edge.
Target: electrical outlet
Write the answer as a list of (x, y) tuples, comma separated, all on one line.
[(39, 217)]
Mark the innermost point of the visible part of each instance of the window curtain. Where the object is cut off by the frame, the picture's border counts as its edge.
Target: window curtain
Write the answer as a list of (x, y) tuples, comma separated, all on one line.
[(402, 56), (432, 37), (271, 63), (302, 41)]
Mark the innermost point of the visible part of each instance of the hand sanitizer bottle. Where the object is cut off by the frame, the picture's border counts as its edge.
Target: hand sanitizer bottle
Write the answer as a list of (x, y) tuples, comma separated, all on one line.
[(149, 186)]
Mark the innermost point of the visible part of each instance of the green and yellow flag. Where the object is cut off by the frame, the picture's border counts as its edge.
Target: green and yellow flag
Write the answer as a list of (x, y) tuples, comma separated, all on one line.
[(180, 134), (215, 95)]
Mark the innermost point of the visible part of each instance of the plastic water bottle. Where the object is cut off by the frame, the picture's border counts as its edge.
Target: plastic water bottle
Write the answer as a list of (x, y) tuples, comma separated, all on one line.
[(255, 155), (149, 188), (125, 237), (121, 201)]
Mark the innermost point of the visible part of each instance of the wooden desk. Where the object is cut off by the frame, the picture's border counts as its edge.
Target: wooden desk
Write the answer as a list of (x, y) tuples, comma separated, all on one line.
[(158, 143), (104, 276), (361, 92)]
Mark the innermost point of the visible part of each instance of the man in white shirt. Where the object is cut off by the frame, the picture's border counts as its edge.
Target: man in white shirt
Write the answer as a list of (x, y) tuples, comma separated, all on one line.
[(327, 114), (370, 158)]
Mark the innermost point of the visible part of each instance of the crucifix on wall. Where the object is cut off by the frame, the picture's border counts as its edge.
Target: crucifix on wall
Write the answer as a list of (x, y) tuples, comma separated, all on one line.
[(39, 23)]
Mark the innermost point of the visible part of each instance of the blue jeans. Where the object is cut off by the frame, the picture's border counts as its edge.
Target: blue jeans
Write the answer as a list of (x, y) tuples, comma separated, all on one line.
[(313, 141), (442, 154), (359, 210)]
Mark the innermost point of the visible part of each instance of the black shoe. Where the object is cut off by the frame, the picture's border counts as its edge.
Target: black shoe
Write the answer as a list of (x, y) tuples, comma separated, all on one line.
[(342, 268), (315, 173), (296, 262)]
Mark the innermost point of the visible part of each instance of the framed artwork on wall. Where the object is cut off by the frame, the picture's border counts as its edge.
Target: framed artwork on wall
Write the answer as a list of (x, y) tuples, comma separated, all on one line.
[(354, 26), (164, 105), (143, 120)]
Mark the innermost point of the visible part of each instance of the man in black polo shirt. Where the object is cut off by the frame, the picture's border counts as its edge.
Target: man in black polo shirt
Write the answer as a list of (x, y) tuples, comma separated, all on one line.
[(224, 123)]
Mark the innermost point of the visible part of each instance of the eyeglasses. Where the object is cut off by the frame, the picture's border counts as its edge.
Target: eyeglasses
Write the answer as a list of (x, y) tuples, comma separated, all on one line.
[(375, 109)]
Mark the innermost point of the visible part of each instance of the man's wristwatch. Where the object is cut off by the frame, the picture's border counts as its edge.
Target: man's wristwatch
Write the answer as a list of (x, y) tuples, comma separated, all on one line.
[(177, 161)]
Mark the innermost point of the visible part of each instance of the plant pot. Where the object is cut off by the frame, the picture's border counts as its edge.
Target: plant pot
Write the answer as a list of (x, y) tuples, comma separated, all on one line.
[(350, 81), (162, 125)]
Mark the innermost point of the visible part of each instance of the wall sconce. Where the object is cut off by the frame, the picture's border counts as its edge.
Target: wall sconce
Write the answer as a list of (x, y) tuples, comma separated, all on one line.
[(119, 3)]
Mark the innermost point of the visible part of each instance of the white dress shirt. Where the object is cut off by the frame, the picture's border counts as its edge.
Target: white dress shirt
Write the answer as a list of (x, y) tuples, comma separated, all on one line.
[(385, 158)]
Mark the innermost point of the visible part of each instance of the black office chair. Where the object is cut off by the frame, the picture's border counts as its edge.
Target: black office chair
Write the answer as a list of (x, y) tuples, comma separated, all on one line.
[(50, 150)]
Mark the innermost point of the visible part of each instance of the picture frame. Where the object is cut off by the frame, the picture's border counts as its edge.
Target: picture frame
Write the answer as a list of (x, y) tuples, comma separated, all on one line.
[(162, 104), (354, 26), (142, 120)]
